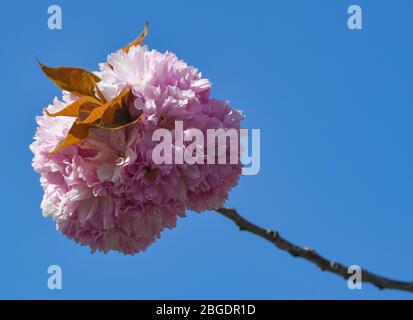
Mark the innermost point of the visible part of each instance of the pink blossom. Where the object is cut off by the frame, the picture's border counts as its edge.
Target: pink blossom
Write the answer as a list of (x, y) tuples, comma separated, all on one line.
[(106, 192)]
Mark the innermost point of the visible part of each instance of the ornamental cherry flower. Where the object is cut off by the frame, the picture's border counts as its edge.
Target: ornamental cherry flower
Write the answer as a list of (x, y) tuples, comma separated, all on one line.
[(104, 190)]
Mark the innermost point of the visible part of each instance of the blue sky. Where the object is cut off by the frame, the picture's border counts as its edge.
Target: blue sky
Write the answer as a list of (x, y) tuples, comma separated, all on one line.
[(335, 111)]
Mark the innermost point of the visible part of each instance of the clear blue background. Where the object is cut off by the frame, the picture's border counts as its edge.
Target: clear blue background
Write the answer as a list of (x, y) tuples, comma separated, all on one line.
[(335, 109)]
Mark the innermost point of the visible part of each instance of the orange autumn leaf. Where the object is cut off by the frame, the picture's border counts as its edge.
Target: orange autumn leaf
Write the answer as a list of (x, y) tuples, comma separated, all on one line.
[(77, 133), (75, 109), (138, 40), (98, 92), (89, 111), (113, 113), (76, 80), (122, 122), (116, 118)]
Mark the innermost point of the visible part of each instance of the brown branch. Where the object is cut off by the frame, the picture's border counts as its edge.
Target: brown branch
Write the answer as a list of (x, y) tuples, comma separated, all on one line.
[(311, 255)]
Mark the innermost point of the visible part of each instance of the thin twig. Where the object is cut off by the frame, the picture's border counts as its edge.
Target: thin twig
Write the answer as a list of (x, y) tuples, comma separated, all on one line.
[(311, 255)]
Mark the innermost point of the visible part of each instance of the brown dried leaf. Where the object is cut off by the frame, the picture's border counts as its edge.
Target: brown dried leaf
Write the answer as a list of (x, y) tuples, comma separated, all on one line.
[(75, 109), (76, 80), (77, 133), (98, 92), (107, 112), (138, 40), (120, 124), (90, 113)]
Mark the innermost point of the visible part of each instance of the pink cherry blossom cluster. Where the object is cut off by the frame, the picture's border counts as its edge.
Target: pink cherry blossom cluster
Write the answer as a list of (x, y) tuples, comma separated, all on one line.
[(107, 192)]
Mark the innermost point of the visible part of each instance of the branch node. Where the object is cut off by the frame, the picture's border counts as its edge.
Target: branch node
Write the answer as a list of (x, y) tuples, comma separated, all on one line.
[(310, 251), (273, 234)]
